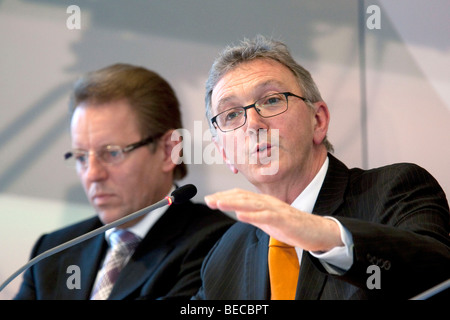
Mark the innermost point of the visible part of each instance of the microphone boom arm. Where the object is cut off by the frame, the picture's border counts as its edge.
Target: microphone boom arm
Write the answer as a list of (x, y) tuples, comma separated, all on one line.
[(166, 201)]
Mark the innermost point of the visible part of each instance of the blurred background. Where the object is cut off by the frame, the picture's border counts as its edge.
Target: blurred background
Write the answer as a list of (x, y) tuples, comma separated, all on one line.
[(382, 67)]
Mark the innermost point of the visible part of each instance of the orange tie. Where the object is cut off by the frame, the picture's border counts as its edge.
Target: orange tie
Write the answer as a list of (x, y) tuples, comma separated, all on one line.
[(283, 270)]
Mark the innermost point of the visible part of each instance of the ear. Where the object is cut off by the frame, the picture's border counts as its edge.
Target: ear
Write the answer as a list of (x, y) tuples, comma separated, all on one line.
[(170, 144), (224, 155), (321, 121)]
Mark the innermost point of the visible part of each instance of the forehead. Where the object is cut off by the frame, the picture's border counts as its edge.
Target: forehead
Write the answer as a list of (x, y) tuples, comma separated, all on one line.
[(252, 79), (112, 122)]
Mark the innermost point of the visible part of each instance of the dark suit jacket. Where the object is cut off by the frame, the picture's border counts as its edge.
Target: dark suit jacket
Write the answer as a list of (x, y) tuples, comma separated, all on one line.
[(166, 264), (399, 219)]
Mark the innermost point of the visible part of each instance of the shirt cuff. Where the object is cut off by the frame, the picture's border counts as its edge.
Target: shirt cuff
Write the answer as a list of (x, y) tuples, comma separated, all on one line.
[(339, 259)]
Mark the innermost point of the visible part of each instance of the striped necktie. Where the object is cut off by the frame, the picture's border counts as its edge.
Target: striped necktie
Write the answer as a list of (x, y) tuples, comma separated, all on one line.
[(122, 245)]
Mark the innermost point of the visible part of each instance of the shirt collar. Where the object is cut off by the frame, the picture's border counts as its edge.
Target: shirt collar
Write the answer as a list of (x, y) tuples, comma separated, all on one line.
[(307, 199)]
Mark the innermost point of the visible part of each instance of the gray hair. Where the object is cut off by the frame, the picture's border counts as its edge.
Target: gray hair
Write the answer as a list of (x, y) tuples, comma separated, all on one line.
[(259, 48)]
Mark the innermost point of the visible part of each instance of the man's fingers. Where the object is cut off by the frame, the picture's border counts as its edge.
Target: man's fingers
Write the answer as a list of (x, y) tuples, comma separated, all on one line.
[(237, 200)]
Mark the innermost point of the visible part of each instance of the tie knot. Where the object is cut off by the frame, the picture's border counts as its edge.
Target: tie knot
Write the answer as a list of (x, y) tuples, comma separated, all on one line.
[(275, 243), (123, 240)]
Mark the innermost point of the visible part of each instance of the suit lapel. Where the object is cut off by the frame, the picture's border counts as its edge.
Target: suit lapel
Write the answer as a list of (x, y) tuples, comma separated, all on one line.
[(331, 194), (331, 197), (87, 256), (150, 253), (138, 270), (256, 268), (310, 280)]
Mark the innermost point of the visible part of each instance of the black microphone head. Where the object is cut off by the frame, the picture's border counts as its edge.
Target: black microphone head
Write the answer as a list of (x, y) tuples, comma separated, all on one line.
[(184, 193)]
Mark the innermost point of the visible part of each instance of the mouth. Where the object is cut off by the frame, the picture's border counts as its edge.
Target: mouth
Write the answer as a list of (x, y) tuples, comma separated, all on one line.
[(262, 147), (101, 198)]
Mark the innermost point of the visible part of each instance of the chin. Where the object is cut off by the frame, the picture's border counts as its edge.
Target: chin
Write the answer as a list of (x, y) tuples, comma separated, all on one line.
[(108, 216), (262, 174)]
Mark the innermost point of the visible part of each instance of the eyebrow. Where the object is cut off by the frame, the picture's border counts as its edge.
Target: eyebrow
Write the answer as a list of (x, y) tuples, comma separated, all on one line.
[(259, 88), (102, 146)]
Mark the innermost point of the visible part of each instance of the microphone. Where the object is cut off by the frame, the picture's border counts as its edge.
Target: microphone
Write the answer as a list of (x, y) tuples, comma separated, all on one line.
[(184, 193), (178, 196)]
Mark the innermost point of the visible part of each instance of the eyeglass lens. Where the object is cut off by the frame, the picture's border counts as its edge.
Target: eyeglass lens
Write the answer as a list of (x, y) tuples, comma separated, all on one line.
[(266, 107)]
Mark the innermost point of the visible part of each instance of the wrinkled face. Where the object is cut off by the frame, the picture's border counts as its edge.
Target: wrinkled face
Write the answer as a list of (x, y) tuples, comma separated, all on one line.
[(120, 189), (296, 129)]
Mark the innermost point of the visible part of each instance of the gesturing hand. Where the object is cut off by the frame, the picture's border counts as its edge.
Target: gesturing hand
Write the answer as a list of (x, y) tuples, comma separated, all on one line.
[(279, 219)]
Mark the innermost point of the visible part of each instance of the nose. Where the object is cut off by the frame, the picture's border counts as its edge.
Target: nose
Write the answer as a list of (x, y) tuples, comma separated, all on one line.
[(95, 170), (255, 121)]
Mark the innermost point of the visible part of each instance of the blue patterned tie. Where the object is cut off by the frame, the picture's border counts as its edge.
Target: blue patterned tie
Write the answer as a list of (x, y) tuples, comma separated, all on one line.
[(122, 243)]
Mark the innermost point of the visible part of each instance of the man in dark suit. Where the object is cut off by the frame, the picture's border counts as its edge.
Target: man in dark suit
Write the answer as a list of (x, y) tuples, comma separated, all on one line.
[(122, 125), (349, 233)]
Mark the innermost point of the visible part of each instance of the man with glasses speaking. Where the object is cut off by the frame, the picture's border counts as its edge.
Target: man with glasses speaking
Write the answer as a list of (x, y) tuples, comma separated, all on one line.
[(315, 229), (122, 121)]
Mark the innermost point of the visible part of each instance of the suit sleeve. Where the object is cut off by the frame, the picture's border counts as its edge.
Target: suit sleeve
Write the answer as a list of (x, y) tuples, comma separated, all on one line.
[(404, 231)]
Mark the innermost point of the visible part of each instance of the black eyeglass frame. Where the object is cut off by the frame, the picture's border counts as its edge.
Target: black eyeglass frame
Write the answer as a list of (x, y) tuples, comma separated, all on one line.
[(286, 94), (126, 149)]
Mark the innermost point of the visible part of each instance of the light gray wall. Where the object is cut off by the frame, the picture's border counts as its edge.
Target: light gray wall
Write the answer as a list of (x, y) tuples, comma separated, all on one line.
[(387, 89)]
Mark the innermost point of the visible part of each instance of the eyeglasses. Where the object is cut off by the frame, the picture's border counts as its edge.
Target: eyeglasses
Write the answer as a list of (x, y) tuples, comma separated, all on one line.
[(110, 154), (268, 106)]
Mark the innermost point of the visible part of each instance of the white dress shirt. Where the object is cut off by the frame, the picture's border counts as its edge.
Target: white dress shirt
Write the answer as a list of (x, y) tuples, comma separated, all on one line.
[(339, 259)]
